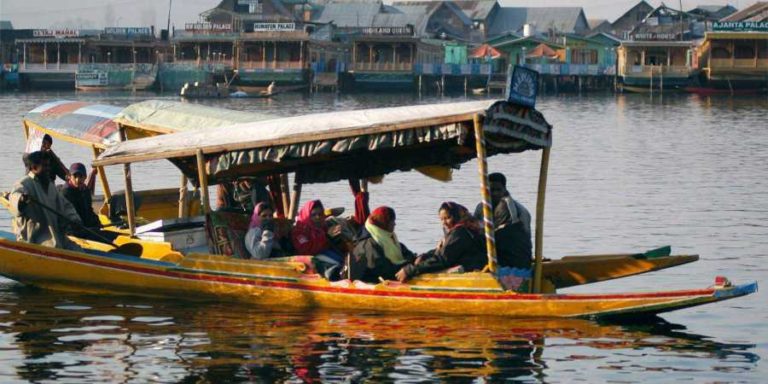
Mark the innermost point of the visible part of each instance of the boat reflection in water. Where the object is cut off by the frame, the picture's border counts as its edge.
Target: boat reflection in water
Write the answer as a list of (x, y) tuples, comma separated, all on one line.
[(79, 337)]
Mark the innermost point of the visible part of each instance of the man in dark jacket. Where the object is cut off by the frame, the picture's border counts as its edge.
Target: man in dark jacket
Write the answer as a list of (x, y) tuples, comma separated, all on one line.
[(57, 167), (512, 223)]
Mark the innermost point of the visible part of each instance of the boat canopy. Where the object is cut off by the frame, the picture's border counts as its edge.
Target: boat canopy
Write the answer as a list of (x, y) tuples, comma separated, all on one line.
[(77, 122), (335, 146), (96, 125), (160, 116)]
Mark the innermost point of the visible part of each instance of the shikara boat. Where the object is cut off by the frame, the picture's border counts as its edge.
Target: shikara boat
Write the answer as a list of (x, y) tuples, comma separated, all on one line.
[(336, 146)]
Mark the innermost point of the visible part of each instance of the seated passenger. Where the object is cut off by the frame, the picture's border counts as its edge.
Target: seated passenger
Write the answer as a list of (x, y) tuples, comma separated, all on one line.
[(260, 239), (310, 237), (40, 214), (378, 254), (78, 192), (512, 224), (463, 245)]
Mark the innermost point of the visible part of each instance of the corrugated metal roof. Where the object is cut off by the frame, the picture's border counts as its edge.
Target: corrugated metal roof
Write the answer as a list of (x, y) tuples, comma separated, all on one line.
[(756, 12), (349, 14), (563, 19), (477, 9)]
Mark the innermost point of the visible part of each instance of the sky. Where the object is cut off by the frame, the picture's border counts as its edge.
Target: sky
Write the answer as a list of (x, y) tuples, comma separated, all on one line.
[(96, 14)]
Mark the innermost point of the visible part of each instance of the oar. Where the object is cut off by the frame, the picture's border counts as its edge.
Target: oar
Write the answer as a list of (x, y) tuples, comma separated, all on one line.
[(131, 249)]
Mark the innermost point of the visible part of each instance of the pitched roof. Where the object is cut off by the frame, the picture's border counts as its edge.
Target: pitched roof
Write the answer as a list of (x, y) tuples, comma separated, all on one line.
[(562, 19), (755, 12), (476, 9), (594, 23), (6, 24), (640, 4), (349, 14)]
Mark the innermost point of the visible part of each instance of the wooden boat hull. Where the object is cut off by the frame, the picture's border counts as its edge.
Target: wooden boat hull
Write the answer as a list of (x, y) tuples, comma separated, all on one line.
[(273, 283)]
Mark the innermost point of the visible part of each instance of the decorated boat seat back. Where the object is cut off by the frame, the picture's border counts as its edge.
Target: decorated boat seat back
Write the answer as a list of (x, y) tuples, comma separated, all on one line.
[(226, 233)]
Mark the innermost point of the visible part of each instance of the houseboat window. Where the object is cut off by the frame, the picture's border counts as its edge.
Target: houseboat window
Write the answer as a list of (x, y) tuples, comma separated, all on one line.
[(584, 56), (762, 49), (744, 50), (720, 51)]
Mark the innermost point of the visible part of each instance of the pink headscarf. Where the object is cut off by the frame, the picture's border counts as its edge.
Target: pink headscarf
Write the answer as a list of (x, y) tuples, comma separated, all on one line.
[(255, 217)]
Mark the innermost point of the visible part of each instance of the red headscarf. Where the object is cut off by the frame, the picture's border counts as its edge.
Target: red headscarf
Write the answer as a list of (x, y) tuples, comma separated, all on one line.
[(308, 238), (382, 217)]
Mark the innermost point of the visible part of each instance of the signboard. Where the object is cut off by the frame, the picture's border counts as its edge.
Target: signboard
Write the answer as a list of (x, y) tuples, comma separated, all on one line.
[(128, 31), (272, 27), (208, 27), (523, 86), (92, 79), (740, 26), (65, 32), (653, 36), (388, 31)]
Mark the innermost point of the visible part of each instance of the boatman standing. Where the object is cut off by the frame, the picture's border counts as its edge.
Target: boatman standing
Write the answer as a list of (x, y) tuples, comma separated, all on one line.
[(40, 213), (512, 223)]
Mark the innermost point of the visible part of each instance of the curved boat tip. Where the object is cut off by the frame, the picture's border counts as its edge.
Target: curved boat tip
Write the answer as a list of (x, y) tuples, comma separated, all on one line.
[(735, 290)]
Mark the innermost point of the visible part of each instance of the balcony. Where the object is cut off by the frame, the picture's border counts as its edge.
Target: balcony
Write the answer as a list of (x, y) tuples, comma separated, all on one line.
[(715, 64), (271, 65), (50, 68), (657, 70), (382, 67)]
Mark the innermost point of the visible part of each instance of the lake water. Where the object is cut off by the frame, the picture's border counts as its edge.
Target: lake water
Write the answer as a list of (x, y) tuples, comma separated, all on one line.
[(627, 173)]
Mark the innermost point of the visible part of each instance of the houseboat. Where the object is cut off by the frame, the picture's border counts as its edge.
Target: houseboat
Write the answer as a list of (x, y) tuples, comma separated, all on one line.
[(387, 57), (660, 53), (734, 58), (656, 65), (50, 58), (120, 58)]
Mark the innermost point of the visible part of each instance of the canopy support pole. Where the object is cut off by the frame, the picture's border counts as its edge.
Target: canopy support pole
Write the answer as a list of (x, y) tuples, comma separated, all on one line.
[(285, 193), (540, 220), (202, 176), (129, 205), (183, 201), (295, 197), (102, 177), (482, 164)]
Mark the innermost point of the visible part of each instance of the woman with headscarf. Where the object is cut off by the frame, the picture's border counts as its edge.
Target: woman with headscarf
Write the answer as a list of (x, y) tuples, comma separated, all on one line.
[(260, 239), (310, 237), (463, 245), (378, 253)]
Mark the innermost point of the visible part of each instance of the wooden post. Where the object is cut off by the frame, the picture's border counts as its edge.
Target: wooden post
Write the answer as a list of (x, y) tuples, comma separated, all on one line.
[(102, 177), (537, 276), (295, 198), (129, 205), (285, 193), (263, 55), (202, 176), (274, 54), (490, 237), (183, 202)]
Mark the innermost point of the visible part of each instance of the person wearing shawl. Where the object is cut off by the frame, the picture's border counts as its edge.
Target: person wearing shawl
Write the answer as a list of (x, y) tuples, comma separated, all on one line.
[(32, 223), (260, 238), (463, 245), (310, 237), (378, 253)]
